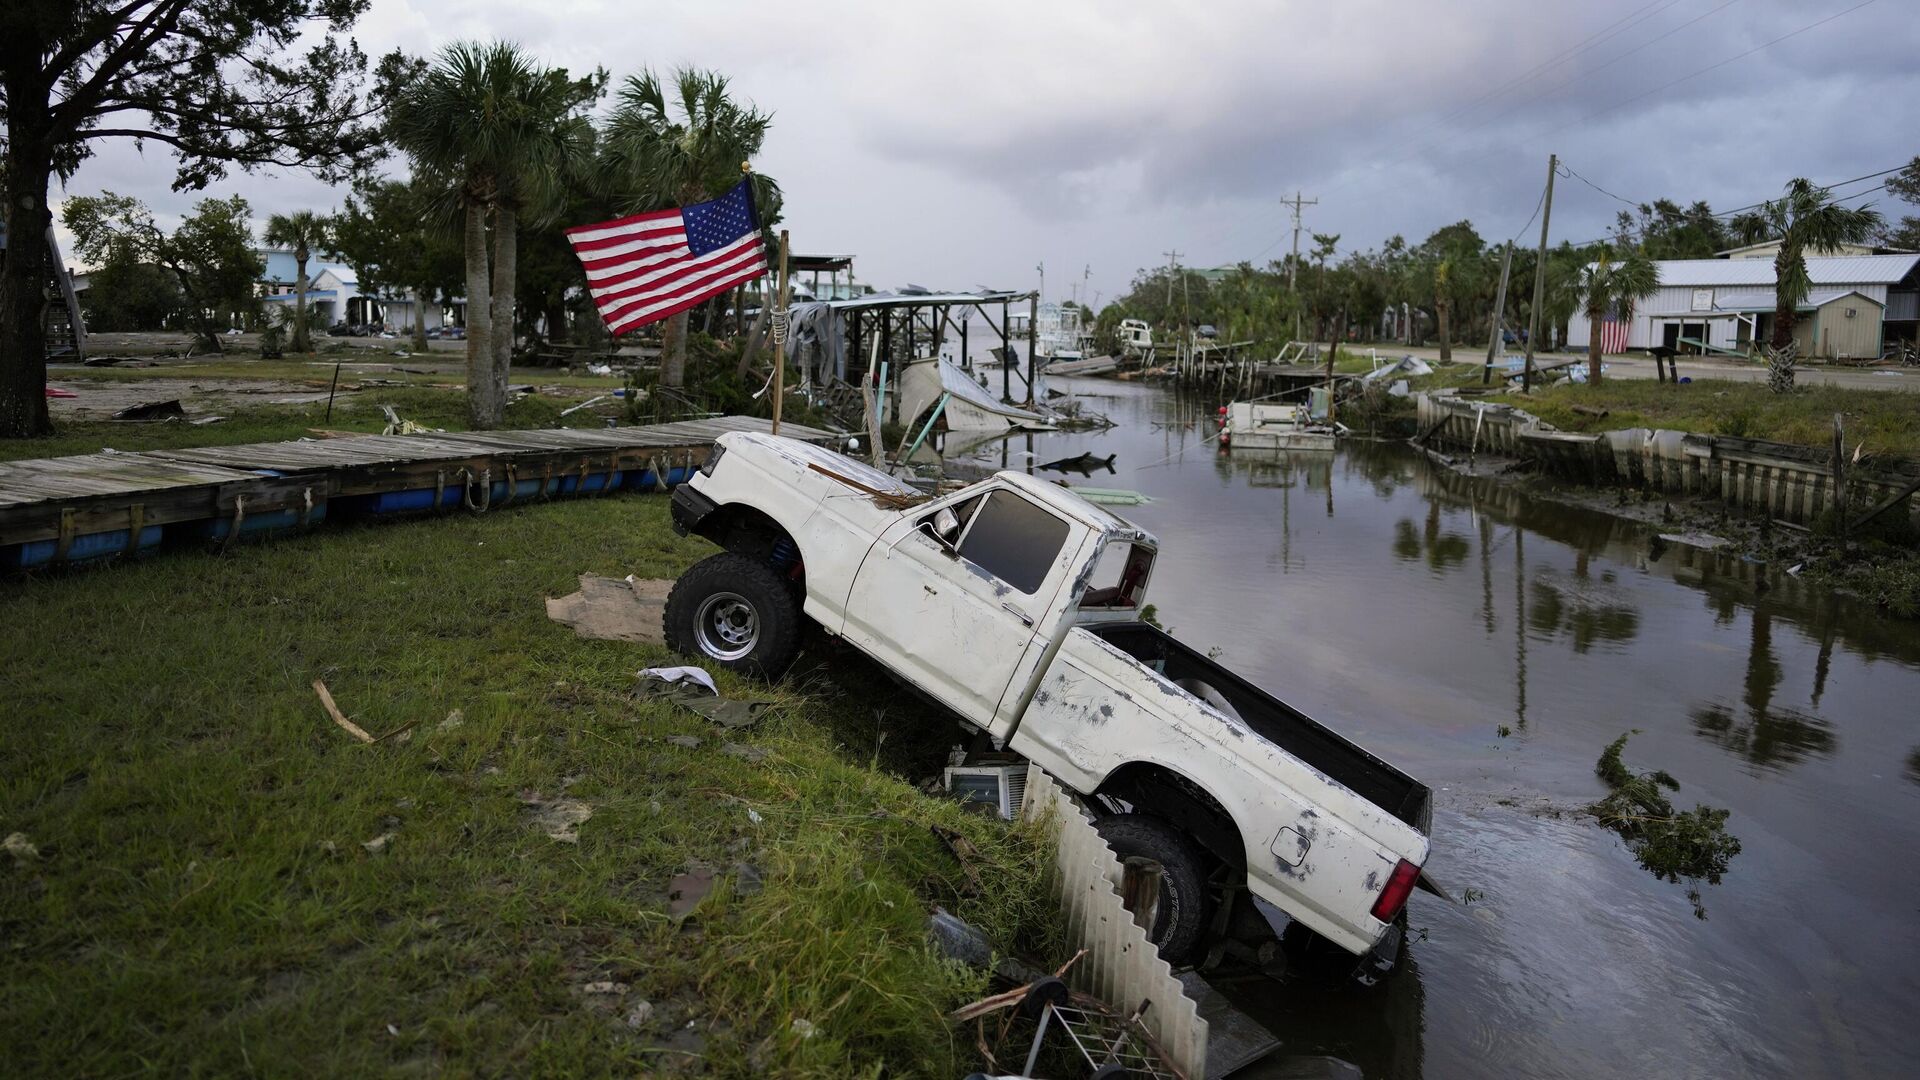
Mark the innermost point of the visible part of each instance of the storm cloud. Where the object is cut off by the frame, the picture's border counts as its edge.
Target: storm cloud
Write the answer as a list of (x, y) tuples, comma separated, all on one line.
[(957, 145)]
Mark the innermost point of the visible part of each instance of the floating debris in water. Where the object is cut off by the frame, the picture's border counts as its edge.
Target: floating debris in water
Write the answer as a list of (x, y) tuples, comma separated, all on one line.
[(1691, 844)]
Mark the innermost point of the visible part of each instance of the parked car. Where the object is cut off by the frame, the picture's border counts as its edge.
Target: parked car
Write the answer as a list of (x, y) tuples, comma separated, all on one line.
[(1016, 606), (454, 333)]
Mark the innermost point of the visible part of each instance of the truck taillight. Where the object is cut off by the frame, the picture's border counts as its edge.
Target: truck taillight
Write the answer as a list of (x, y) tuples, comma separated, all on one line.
[(1399, 887)]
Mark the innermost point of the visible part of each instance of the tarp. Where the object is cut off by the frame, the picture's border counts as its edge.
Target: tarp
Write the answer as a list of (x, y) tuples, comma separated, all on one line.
[(971, 407)]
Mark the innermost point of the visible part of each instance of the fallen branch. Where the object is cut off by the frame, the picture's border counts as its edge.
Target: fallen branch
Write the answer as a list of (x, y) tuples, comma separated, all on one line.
[(351, 728)]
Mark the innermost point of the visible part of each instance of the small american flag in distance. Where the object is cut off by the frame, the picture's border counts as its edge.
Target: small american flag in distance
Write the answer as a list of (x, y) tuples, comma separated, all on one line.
[(646, 267)]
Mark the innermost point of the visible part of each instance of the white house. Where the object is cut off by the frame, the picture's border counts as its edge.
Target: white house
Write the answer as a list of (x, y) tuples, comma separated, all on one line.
[(1857, 305), (333, 289)]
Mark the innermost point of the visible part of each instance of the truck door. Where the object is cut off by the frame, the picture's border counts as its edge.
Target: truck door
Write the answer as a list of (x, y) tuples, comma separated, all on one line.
[(957, 614)]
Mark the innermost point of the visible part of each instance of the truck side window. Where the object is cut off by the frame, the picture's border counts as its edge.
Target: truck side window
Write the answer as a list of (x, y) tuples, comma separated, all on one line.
[(1117, 576), (1013, 540)]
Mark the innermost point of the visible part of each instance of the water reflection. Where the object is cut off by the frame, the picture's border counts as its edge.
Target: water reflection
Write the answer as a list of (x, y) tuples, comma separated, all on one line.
[(1439, 549), (1585, 614), (1767, 736)]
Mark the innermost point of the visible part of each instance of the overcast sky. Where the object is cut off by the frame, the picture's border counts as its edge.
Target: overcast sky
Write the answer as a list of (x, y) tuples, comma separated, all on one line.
[(954, 145)]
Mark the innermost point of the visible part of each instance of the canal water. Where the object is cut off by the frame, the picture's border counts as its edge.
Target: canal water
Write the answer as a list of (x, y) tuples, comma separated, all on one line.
[(1493, 645)]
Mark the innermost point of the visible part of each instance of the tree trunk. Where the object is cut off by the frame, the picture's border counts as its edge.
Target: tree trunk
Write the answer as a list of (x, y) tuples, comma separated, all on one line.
[(1440, 311), (673, 352), (483, 406), (302, 342), (420, 320), (750, 345), (23, 282), (1781, 354), (506, 262), (1593, 348)]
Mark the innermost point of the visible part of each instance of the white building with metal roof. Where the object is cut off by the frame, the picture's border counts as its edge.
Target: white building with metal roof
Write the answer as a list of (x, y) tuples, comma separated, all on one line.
[(1859, 303)]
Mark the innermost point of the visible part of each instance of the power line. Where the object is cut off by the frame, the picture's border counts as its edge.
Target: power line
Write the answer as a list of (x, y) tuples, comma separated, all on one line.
[(1568, 171), (1755, 206), (1536, 213)]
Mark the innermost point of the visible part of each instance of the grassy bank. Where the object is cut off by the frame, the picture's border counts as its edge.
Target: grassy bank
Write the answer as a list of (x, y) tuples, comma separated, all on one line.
[(224, 882), (1883, 421), (359, 412)]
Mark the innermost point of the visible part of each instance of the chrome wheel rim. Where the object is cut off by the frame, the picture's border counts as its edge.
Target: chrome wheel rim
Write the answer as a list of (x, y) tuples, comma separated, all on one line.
[(727, 626)]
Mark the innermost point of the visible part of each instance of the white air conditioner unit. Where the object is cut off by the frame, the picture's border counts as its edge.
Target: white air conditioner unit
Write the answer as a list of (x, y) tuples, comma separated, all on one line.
[(1003, 787)]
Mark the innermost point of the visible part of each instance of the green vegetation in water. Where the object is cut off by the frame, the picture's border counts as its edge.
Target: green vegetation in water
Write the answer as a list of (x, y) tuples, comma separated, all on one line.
[(223, 878), (1672, 844)]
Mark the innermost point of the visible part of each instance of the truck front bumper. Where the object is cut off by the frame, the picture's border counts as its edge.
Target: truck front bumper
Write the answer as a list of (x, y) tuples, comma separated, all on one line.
[(690, 508)]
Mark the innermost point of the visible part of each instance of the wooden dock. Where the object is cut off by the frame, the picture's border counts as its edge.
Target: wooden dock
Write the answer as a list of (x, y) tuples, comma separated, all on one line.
[(75, 508)]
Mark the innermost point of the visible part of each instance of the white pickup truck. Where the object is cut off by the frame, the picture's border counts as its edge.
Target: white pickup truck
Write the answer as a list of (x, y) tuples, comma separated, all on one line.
[(1016, 604)]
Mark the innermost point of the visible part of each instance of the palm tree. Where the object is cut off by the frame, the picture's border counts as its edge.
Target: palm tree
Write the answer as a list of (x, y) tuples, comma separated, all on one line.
[(1608, 285), (1804, 219), (303, 231), (1443, 306), (655, 159), (502, 131)]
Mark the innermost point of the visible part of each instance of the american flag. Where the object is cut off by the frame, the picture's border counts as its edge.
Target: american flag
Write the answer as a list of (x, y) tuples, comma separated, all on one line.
[(1613, 333), (643, 268)]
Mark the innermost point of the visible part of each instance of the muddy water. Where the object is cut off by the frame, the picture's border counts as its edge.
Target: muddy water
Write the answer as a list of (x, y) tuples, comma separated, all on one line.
[(1493, 645)]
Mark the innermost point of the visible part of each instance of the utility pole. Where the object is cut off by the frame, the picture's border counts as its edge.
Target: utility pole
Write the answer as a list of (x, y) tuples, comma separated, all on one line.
[(1293, 264), (1173, 264), (1043, 279), (1539, 276), (1499, 313)]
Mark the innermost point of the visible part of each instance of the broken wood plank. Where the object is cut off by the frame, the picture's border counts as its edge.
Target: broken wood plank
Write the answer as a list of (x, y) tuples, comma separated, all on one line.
[(351, 728), (1588, 410), (1885, 505)]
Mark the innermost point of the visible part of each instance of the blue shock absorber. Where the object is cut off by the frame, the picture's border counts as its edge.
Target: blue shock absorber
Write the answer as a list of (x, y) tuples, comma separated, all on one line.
[(785, 554)]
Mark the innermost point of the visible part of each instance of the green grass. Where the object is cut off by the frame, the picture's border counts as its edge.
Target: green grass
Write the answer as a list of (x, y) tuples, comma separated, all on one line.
[(317, 369), (1885, 421), (202, 902), (444, 409)]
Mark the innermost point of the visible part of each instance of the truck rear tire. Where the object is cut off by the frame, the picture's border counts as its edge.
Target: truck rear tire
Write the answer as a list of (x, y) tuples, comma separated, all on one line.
[(734, 612), (1182, 915)]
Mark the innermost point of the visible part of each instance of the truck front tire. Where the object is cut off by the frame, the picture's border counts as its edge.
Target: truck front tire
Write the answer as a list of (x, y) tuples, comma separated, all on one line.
[(734, 612), (1182, 915)]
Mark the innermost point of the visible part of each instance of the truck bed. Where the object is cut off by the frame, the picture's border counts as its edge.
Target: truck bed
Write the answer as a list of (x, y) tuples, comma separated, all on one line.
[(1279, 723)]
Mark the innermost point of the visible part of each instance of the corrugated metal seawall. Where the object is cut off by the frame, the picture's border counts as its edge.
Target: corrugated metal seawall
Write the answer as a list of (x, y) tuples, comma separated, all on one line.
[(1792, 483), (1121, 968)]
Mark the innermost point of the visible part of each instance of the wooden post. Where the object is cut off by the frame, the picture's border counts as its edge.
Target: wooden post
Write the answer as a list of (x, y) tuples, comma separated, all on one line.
[(1539, 276), (1499, 311), (1033, 339), (1840, 482), (780, 346), (1006, 355), (1332, 352)]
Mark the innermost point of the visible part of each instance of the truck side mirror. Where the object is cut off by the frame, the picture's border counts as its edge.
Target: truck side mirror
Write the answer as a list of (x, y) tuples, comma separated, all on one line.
[(946, 527)]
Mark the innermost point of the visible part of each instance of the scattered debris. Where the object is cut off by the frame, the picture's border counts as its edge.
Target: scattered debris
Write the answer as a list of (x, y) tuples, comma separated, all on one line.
[(610, 609), (688, 742), (640, 1014), (803, 1028), (685, 891), (1671, 844), (966, 854), (56, 392), (749, 754), (454, 719), (1085, 464), (746, 879), (21, 848), (604, 987), (694, 675), (559, 818), (397, 426), (378, 845), (169, 409), (351, 728)]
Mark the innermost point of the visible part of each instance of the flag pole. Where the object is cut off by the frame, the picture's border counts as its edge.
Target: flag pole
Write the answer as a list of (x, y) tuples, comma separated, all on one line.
[(780, 339)]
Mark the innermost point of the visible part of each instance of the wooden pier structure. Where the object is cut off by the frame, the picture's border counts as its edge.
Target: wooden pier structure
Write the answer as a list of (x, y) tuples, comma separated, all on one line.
[(72, 509)]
